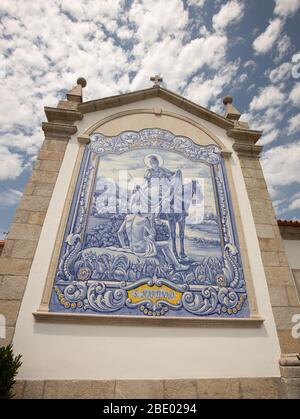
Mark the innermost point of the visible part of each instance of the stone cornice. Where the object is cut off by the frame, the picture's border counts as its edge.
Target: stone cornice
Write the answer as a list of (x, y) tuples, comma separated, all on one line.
[(226, 154), (58, 114), (157, 91), (58, 130), (244, 135), (194, 109), (84, 139), (290, 360), (249, 150), (42, 315)]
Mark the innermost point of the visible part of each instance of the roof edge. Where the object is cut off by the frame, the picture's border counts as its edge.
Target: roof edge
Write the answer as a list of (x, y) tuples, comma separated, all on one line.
[(288, 223), (156, 91)]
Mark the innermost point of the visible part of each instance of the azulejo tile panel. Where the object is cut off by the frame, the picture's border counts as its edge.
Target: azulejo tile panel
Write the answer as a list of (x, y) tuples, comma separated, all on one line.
[(150, 232)]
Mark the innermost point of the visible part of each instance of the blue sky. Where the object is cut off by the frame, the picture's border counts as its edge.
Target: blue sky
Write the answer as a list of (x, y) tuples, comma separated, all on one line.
[(204, 50)]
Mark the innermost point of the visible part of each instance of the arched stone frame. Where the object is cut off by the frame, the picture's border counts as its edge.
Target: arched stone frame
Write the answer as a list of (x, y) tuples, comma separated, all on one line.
[(159, 112), (96, 127)]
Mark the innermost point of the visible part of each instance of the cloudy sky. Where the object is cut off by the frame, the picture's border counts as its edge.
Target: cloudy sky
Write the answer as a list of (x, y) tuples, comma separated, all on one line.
[(204, 49)]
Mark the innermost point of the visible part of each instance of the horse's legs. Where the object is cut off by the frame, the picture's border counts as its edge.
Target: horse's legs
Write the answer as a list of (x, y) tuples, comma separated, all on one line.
[(181, 223), (172, 225)]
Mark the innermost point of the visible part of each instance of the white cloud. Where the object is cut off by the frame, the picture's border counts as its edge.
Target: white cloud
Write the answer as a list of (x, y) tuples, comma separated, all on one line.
[(125, 33), (204, 90), (92, 10), (268, 120), (250, 64), (286, 8), (294, 124), (295, 95), (10, 197), (283, 48), (294, 205), (281, 165), (270, 137), (199, 3), (231, 12), (206, 51), (289, 203), (243, 77), (268, 96), (265, 41), (21, 142), (10, 164), (281, 73), (153, 21)]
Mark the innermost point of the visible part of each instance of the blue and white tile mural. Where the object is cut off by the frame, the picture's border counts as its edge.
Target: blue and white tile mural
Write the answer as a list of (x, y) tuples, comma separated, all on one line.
[(150, 232)]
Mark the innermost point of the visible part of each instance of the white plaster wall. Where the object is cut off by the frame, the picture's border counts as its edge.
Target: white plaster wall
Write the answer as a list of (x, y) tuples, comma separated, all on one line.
[(73, 351), (292, 248)]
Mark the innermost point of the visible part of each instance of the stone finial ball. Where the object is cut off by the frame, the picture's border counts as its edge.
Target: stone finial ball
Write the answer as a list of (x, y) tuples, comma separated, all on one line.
[(227, 99), (81, 81)]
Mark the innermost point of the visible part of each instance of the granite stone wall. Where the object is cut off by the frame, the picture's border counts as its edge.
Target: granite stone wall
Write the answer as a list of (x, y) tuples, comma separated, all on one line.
[(20, 245), (237, 388), (280, 280)]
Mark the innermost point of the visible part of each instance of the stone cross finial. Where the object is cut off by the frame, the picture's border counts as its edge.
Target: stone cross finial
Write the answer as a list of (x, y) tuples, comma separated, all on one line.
[(157, 80)]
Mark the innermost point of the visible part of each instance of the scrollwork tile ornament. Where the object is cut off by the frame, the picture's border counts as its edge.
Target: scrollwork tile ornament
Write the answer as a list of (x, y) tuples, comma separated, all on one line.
[(155, 138)]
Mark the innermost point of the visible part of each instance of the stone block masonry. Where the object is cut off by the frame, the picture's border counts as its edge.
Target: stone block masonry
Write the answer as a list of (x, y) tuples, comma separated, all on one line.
[(20, 245), (280, 280), (235, 388)]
